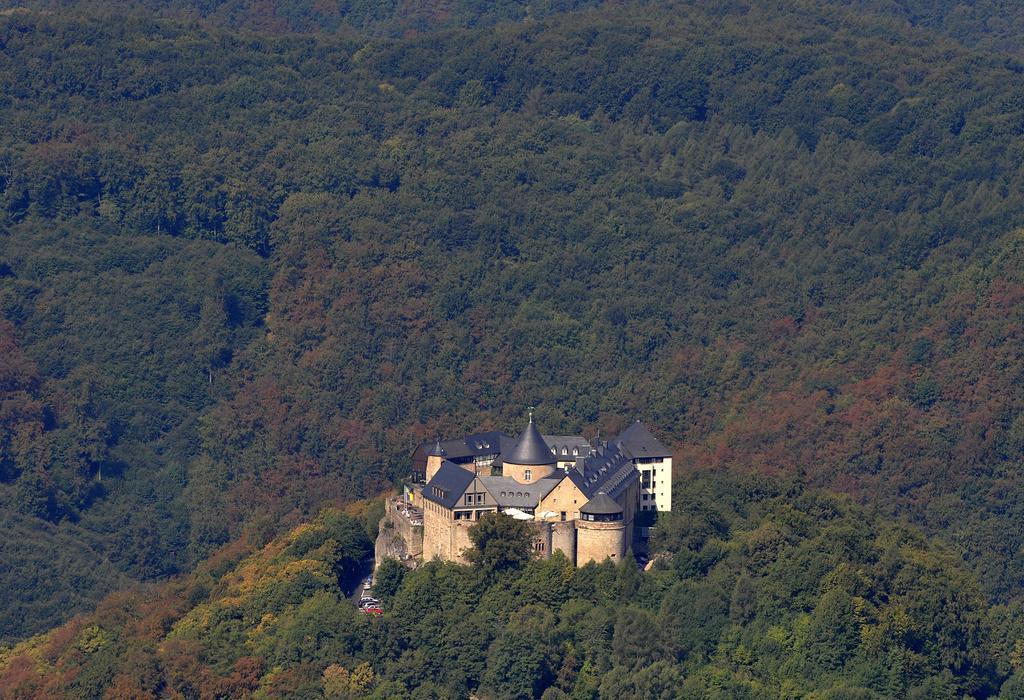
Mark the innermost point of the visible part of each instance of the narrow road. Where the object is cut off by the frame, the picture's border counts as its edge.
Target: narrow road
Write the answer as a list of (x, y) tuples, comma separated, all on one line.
[(353, 589)]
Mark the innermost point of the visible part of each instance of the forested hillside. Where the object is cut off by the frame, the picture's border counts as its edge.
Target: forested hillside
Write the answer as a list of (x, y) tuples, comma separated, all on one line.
[(244, 270), (992, 24), (772, 592)]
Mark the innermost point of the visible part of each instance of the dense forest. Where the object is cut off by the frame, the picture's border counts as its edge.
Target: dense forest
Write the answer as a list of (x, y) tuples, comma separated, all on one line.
[(992, 24), (770, 591), (250, 257)]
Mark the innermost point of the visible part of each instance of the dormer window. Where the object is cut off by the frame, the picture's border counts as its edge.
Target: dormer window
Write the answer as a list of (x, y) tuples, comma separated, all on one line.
[(565, 450), (575, 452), (528, 475)]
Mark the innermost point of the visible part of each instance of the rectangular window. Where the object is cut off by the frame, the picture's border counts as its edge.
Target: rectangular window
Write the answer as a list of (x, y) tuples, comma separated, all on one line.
[(563, 516), (527, 475), (469, 499), (647, 496), (479, 498)]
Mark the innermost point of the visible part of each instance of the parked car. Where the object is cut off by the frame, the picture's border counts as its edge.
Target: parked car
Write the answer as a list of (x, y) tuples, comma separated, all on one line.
[(373, 611), (369, 602), (367, 584)]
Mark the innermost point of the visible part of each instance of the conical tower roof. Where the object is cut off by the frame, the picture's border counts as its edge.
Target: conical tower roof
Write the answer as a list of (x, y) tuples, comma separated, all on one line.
[(530, 449), (601, 504)]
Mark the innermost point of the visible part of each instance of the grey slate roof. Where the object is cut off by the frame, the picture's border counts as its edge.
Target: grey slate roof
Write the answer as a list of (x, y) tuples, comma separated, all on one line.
[(492, 442), (530, 449), (601, 504), (637, 441), (451, 481), (608, 469), (567, 442), (509, 493)]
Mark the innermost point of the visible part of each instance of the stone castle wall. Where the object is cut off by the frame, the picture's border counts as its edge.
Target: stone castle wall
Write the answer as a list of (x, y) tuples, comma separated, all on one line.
[(460, 540), (399, 537), (436, 532), (443, 536)]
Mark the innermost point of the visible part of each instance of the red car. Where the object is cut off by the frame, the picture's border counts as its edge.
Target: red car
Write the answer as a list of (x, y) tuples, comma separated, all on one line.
[(372, 611)]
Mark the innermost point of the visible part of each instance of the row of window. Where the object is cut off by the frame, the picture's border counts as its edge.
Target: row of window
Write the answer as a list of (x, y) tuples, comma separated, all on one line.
[(477, 498), (471, 514)]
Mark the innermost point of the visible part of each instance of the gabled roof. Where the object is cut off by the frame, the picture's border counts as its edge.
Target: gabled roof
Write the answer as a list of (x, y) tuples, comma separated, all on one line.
[(530, 449), (448, 484), (637, 441)]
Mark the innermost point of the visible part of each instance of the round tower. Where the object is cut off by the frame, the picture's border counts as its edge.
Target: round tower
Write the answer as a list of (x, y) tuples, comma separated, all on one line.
[(563, 539), (434, 459), (530, 459), (600, 531)]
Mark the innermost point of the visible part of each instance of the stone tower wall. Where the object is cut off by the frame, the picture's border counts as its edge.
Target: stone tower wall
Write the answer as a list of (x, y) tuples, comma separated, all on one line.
[(518, 471), (433, 464), (598, 541), (563, 539)]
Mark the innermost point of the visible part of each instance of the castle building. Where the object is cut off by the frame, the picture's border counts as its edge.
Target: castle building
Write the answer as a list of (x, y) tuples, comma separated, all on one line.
[(582, 499), (654, 462)]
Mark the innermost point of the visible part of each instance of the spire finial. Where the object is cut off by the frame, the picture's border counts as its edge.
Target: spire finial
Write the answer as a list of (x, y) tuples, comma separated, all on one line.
[(530, 410)]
